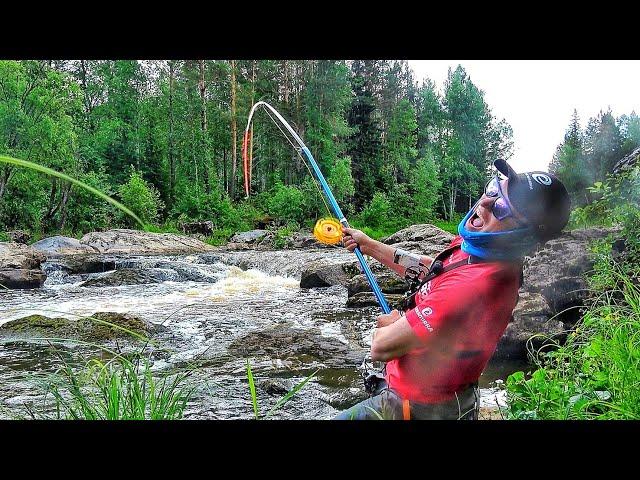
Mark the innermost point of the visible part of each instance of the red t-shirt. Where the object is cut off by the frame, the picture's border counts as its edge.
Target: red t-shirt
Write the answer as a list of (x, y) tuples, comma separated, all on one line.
[(459, 318)]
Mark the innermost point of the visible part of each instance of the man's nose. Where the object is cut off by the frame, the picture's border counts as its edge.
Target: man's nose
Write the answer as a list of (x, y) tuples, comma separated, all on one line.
[(486, 202)]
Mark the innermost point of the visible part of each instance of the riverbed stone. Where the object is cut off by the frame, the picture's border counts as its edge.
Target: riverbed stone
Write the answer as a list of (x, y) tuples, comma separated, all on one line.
[(87, 329), (79, 264), (368, 299), (297, 346), (61, 245), (123, 276), (325, 273), (20, 266), (134, 242), (22, 278), (389, 282)]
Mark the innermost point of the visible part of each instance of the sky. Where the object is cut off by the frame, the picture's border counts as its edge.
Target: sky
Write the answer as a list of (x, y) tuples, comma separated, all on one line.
[(537, 97)]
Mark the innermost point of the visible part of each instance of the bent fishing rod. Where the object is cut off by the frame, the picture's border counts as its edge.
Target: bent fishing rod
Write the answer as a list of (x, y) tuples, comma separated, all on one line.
[(302, 148)]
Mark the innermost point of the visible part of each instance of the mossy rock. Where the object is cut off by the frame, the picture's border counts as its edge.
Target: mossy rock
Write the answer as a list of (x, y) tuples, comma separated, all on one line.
[(87, 329), (99, 331), (38, 325)]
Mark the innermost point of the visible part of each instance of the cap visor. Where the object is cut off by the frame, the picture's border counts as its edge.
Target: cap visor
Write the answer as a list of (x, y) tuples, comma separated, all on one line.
[(505, 169)]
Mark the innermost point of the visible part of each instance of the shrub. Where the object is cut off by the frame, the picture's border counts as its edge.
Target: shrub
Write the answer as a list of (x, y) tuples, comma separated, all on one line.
[(141, 198), (287, 203)]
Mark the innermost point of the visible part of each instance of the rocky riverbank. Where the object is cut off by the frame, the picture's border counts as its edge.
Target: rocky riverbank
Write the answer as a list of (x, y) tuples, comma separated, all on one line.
[(553, 290)]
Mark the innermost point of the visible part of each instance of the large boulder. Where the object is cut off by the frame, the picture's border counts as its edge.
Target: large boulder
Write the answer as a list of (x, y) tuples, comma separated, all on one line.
[(425, 239), (557, 271), (60, 245), (124, 241), (325, 273), (20, 266), (101, 326), (22, 278), (532, 327), (627, 163)]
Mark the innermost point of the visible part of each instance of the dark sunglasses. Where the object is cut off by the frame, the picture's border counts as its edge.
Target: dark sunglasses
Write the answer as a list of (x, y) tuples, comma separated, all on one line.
[(501, 208)]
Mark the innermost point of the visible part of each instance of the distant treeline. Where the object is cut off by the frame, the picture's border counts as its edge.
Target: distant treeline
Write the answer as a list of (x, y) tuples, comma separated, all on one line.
[(164, 137)]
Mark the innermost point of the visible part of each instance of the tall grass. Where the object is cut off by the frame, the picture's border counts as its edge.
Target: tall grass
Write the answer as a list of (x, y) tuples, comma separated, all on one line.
[(596, 373), (118, 389), (284, 399)]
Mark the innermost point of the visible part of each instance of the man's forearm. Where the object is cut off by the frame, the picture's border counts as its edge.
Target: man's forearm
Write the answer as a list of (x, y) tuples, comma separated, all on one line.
[(384, 254)]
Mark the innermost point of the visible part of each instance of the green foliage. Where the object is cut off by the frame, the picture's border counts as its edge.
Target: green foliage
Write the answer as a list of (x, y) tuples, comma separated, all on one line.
[(143, 199), (286, 203), (595, 374), (341, 182), (450, 226), (118, 390), (378, 213), (193, 203), (282, 233), (86, 211), (425, 184)]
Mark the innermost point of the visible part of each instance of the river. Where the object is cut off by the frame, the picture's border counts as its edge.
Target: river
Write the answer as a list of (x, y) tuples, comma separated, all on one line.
[(218, 309)]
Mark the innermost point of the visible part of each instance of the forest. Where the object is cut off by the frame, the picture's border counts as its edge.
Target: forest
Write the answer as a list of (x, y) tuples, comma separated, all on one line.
[(165, 138)]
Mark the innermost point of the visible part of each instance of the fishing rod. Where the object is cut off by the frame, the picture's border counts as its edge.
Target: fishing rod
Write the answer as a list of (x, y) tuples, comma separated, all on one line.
[(302, 148)]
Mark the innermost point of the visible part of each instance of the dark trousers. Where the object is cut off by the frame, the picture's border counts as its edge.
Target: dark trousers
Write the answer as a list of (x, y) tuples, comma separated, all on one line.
[(385, 404)]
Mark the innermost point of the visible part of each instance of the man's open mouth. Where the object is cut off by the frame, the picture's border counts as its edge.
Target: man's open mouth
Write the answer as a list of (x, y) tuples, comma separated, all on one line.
[(476, 221)]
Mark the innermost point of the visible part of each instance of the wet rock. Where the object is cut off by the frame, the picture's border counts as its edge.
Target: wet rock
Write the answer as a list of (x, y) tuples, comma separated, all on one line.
[(123, 276), (346, 398), (295, 345), (368, 299), (124, 241), (557, 271), (20, 266), (388, 282), (532, 324), (87, 329), (59, 245), (19, 236), (22, 278), (325, 273), (16, 255), (273, 387), (303, 240), (79, 264)]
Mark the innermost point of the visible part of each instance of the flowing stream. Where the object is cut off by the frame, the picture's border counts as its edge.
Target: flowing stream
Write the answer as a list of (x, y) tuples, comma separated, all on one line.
[(217, 310)]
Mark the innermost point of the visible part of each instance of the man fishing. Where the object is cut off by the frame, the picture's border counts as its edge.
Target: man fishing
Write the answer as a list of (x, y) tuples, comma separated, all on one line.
[(438, 345)]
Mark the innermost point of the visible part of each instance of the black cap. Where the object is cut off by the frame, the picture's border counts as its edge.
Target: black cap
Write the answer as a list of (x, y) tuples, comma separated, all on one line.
[(540, 197)]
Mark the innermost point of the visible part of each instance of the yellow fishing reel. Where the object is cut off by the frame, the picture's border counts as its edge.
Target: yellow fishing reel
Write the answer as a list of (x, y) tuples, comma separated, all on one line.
[(328, 230)]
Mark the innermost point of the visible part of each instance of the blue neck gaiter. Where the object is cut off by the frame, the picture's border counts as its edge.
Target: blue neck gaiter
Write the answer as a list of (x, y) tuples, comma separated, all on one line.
[(505, 245)]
